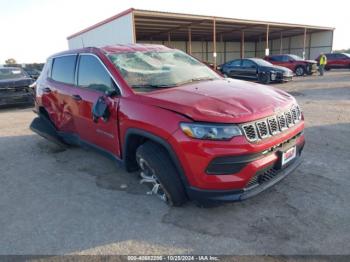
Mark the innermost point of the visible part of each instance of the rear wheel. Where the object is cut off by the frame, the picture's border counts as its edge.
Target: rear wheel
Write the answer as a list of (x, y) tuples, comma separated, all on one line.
[(159, 173), (300, 71)]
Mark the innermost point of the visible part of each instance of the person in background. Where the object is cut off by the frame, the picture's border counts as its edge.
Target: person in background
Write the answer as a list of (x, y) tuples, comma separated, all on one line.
[(323, 62)]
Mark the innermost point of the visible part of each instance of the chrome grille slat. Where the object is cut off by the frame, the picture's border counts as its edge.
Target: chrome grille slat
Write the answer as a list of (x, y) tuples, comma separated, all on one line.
[(250, 132), (262, 128), (289, 118), (282, 122), (273, 125), (270, 126)]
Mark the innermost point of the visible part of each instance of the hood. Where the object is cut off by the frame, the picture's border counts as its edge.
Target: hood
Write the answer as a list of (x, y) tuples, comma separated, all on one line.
[(221, 101), (15, 83), (308, 61), (278, 68), (311, 61)]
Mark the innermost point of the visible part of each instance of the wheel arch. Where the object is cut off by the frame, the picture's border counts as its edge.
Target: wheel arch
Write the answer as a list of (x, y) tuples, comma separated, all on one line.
[(135, 137)]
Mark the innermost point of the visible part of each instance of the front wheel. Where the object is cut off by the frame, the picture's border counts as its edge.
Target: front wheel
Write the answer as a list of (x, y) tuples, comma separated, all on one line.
[(300, 71), (158, 171), (264, 78)]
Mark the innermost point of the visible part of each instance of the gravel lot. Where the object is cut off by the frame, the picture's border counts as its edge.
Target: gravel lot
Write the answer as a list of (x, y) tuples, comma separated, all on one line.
[(56, 201)]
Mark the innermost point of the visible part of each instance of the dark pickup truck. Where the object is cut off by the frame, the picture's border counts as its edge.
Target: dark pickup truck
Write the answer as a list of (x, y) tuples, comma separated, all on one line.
[(15, 86)]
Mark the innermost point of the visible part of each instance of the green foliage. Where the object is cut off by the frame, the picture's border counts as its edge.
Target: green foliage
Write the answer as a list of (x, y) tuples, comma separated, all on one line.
[(10, 61)]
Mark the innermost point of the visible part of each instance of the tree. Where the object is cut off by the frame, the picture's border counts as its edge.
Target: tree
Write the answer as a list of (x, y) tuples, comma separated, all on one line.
[(10, 61)]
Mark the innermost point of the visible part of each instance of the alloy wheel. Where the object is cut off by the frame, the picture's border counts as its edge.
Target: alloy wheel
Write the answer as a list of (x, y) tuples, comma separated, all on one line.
[(148, 177), (299, 71)]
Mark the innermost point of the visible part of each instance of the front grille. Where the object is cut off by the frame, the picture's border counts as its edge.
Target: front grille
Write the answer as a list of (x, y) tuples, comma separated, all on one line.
[(267, 176), (262, 178), (273, 125), (253, 181)]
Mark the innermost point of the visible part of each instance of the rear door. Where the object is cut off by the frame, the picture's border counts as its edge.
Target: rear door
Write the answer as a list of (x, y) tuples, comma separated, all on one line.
[(343, 61), (93, 81), (57, 91), (331, 61)]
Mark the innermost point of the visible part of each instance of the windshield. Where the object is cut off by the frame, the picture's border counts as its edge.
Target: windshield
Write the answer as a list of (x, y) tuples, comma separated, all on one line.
[(11, 73), (147, 71), (261, 62), (295, 57)]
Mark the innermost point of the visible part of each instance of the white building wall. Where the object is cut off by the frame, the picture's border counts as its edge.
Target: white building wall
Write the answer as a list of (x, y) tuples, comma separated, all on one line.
[(320, 42), (118, 31)]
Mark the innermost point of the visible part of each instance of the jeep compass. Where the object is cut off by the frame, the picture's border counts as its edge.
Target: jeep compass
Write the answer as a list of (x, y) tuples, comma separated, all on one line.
[(190, 133)]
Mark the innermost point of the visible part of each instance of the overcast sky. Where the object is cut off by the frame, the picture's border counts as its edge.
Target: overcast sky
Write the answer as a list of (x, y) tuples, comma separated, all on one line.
[(31, 30)]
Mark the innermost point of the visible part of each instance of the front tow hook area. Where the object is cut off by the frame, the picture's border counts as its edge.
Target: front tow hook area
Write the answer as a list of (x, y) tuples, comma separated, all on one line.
[(43, 127)]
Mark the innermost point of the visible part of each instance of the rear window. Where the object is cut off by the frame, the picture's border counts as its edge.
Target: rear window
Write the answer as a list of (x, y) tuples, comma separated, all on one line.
[(63, 69), (12, 73)]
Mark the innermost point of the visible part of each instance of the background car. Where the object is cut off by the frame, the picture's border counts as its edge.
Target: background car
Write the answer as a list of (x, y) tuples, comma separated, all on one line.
[(295, 63), (15, 86), (32, 72), (336, 61), (256, 69)]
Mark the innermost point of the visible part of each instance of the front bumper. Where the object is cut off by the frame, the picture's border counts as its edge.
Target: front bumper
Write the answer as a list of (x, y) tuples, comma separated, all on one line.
[(273, 177), (280, 77), (15, 97)]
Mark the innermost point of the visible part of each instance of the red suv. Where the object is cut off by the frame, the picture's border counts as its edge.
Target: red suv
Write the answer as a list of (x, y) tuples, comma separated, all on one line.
[(336, 61), (295, 63), (190, 132)]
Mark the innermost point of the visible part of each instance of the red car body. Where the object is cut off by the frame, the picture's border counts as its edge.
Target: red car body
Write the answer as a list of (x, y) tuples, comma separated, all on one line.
[(336, 61), (298, 65), (209, 170)]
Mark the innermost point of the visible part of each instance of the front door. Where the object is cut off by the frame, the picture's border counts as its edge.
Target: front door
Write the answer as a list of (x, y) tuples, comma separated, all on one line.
[(93, 81), (249, 69)]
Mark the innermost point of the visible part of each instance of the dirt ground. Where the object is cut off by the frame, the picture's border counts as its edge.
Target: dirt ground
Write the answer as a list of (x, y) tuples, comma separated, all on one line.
[(55, 201)]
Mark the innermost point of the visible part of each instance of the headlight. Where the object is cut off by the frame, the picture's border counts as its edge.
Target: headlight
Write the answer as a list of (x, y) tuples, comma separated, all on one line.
[(210, 131)]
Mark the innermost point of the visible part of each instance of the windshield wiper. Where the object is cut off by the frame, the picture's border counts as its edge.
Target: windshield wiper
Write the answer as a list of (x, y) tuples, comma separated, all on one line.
[(152, 86), (198, 79)]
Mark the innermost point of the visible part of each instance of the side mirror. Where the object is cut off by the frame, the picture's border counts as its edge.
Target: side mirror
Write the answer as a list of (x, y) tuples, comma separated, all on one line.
[(100, 109), (111, 93)]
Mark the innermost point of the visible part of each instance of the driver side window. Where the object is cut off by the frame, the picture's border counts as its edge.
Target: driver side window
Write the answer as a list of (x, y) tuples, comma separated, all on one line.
[(236, 63), (93, 75), (248, 64)]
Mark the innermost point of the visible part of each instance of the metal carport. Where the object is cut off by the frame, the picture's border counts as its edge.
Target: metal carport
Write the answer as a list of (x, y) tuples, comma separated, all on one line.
[(209, 38)]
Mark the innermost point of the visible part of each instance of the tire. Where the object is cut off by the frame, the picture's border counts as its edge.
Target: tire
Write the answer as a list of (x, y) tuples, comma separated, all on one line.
[(300, 71), (327, 69), (264, 78), (156, 165)]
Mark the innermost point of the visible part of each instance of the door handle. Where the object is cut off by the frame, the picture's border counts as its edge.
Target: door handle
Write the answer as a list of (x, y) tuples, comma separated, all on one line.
[(77, 97), (47, 90)]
